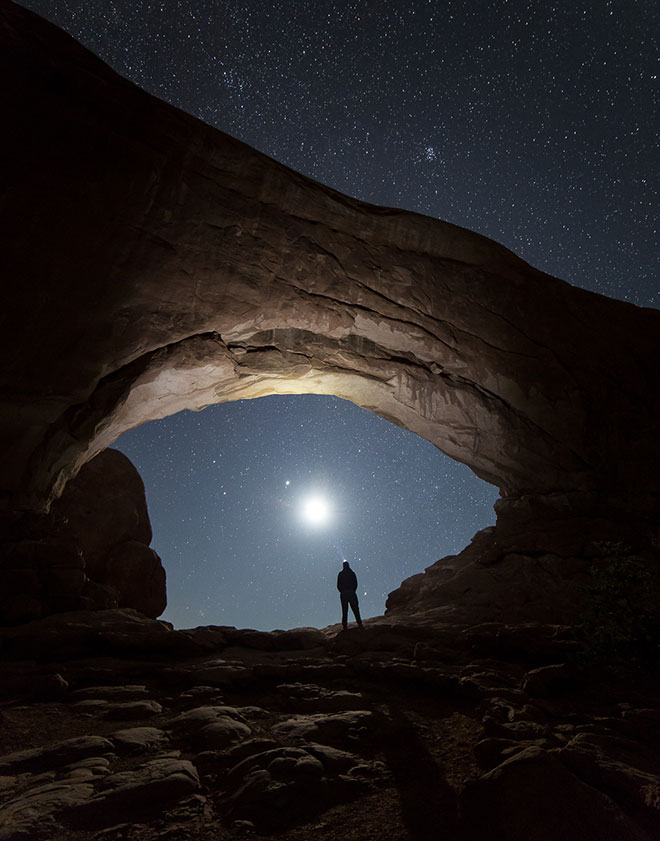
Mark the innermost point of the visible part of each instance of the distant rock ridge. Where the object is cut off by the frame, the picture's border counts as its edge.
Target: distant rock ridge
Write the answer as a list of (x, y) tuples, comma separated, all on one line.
[(153, 263)]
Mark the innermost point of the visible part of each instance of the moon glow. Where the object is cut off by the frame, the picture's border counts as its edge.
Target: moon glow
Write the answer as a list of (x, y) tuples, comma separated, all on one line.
[(316, 510)]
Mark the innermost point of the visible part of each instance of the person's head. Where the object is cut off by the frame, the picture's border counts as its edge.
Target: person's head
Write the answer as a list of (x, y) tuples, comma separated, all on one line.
[(346, 565)]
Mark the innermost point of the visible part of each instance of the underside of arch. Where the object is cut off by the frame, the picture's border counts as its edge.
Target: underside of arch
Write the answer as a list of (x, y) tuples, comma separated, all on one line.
[(451, 411)]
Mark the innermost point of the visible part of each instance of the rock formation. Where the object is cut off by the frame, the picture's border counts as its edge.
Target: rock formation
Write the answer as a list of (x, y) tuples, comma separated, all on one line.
[(104, 506), (155, 263), (91, 553), (105, 514), (151, 264)]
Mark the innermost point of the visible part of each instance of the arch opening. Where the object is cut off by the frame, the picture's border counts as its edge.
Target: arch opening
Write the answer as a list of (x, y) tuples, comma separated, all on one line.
[(228, 487)]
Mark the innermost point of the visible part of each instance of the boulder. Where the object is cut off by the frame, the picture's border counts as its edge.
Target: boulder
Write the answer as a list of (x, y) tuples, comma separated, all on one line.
[(32, 814), (138, 739), (104, 510), (549, 680), (30, 684), (140, 791), (214, 727), (224, 672), (97, 555), (311, 697), (110, 693), (338, 729), (223, 732), (137, 573), (104, 506), (132, 710), (533, 795), (487, 583), (80, 633), (623, 769), (284, 786), (55, 755), (272, 803), (492, 751)]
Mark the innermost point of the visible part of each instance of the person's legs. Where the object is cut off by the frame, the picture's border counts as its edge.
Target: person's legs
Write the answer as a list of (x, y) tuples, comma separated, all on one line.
[(344, 597), (355, 607)]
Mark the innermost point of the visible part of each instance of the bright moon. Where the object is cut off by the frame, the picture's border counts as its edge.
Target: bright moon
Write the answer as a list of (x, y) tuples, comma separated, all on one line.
[(316, 510)]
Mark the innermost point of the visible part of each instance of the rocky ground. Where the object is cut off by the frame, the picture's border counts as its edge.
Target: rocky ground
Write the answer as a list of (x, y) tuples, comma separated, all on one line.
[(113, 726)]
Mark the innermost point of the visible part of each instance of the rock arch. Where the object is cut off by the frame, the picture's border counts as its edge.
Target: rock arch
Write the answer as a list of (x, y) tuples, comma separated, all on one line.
[(155, 263)]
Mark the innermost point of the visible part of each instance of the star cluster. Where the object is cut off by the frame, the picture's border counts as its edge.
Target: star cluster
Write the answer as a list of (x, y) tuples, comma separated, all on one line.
[(533, 123)]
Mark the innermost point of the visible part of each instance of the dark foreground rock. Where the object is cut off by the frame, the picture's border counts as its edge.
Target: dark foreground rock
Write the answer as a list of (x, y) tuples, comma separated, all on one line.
[(357, 738), (533, 795), (92, 552), (526, 572)]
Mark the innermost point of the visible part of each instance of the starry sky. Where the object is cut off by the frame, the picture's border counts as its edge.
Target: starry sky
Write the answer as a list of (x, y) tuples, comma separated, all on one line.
[(530, 121)]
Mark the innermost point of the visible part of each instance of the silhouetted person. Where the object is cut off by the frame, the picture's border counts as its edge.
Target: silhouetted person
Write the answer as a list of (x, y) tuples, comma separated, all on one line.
[(347, 586)]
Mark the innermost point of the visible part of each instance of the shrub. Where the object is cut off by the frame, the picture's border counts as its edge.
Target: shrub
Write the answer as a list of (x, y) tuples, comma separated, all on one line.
[(622, 607)]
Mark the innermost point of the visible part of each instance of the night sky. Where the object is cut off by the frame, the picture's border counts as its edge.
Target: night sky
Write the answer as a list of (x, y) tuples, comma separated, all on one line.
[(533, 123)]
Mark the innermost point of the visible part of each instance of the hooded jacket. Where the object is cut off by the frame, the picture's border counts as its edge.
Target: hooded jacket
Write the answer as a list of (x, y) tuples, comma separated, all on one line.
[(347, 580)]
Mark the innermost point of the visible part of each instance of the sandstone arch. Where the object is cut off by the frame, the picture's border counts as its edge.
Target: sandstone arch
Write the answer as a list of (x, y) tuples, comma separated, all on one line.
[(154, 263)]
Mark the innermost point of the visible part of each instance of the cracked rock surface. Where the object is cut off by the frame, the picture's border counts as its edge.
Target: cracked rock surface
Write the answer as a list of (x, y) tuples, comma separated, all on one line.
[(458, 734)]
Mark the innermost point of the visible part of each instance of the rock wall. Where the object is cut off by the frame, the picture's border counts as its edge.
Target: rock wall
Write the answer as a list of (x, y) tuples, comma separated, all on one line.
[(91, 552), (104, 509), (155, 264)]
